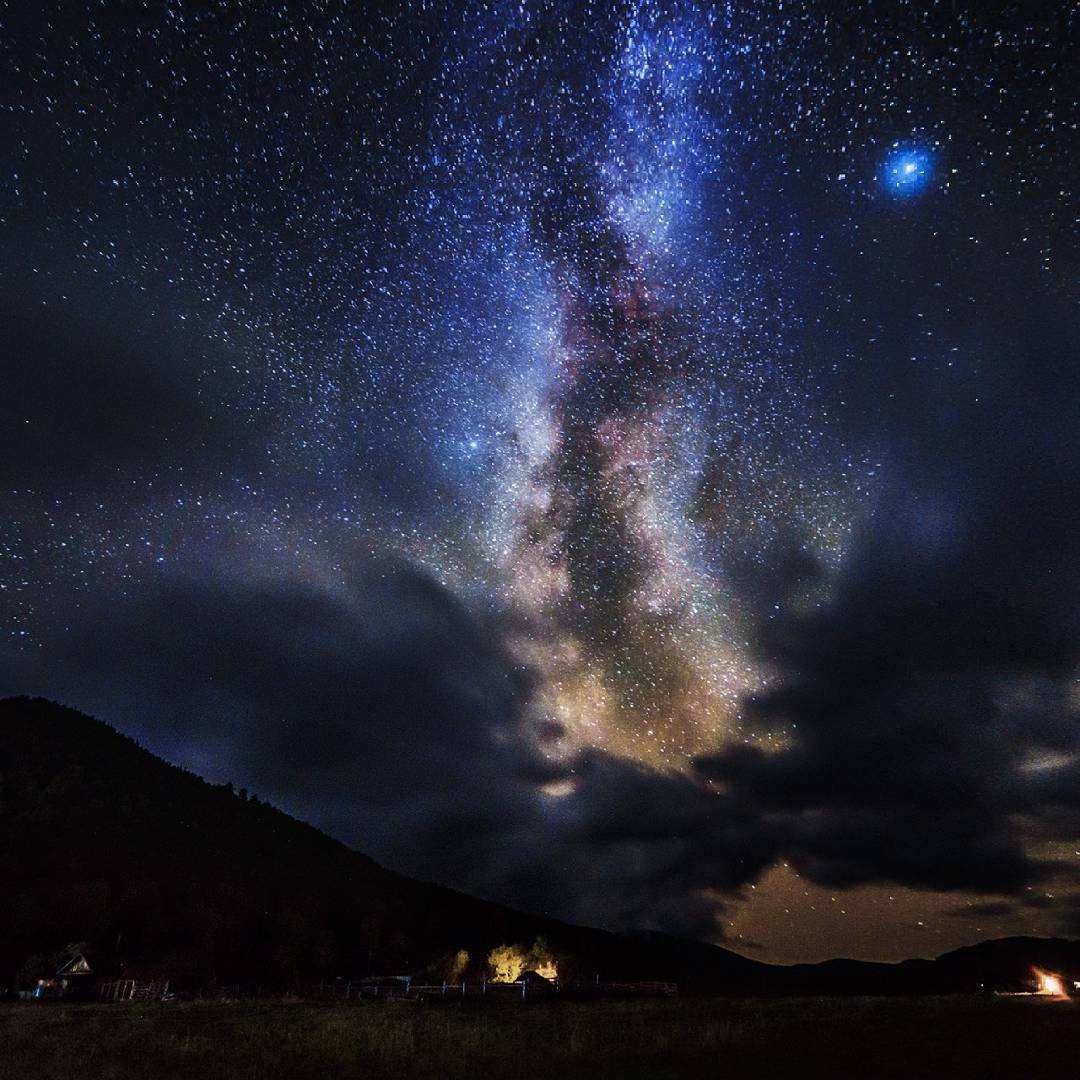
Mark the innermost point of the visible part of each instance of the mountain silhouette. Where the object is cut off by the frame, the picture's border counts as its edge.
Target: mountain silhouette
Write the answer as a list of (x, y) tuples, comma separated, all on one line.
[(101, 842), (105, 844)]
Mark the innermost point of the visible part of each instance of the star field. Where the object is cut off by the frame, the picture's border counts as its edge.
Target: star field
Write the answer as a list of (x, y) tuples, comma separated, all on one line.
[(638, 330)]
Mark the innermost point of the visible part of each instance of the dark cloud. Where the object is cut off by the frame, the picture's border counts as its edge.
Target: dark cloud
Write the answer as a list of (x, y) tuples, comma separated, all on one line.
[(391, 715), (114, 412), (917, 696), (94, 396), (927, 699), (988, 910), (1070, 923)]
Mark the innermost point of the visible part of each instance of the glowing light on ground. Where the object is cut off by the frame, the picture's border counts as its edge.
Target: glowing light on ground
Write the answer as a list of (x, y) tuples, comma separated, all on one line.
[(1049, 985)]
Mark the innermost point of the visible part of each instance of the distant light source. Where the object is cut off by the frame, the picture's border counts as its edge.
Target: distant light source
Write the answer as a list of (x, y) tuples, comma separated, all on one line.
[(907, 170), (558, 789), (1050, 985)]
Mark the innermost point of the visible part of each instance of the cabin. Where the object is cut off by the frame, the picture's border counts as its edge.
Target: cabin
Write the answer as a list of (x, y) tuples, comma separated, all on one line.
[(533, 983), (73, 981)]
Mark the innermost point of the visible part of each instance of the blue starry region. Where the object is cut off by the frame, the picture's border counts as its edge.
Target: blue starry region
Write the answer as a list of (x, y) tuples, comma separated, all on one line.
[(908, 171)]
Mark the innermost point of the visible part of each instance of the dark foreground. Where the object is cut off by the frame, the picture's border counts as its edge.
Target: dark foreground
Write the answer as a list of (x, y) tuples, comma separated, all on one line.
[(982, 1037)]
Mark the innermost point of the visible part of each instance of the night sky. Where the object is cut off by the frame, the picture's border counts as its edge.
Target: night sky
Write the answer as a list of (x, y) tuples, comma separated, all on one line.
[(618, 459)]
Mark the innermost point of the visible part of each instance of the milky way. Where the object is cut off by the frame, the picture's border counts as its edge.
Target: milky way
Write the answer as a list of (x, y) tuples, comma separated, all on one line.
[(617, 458)]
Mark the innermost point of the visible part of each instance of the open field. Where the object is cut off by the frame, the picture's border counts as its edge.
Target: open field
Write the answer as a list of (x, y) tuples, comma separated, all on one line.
[(982, 1037)]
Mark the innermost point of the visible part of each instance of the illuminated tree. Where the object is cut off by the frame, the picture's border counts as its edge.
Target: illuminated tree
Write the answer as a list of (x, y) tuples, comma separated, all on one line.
[(507, 962)]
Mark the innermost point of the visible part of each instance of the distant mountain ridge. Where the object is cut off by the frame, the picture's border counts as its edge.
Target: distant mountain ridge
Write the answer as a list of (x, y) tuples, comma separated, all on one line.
[(102, 842)]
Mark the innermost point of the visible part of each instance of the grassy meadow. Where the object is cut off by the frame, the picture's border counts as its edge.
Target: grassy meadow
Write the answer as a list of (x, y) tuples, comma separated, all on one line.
[(913, 1038)]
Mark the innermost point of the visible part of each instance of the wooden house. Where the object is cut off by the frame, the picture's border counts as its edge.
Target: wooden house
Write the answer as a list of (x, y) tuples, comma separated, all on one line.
[(74, 980)]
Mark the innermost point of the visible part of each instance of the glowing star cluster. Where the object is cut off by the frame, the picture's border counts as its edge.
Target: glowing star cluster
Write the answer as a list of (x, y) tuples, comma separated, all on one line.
[(908, 170)]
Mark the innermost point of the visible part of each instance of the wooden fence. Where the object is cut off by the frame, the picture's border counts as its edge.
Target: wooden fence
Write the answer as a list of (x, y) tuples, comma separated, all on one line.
[(404, 988), (133, 990), (639, 989)]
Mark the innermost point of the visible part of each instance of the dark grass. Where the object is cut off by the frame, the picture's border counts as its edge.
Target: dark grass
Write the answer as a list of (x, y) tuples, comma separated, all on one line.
[(913, 1038)]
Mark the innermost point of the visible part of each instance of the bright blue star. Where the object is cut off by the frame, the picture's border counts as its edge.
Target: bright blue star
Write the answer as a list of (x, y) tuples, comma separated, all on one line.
[(907, 170)]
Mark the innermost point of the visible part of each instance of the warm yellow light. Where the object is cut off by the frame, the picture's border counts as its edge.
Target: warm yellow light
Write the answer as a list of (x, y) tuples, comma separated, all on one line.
[(507, 962), (1050, 984)]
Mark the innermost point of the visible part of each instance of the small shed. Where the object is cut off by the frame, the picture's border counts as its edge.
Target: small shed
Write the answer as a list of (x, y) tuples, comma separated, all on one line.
[(533, 984)]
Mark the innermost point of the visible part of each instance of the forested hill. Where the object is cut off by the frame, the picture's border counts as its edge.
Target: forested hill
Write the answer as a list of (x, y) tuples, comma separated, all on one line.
[(102, 842)]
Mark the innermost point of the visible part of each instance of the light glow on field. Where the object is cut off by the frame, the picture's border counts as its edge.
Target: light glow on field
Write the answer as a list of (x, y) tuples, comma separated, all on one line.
[(1050, 985)]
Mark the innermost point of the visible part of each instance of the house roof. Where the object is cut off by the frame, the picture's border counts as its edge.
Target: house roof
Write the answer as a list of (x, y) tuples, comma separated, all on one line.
[(533, 976), (77, 965), (92, 961)]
